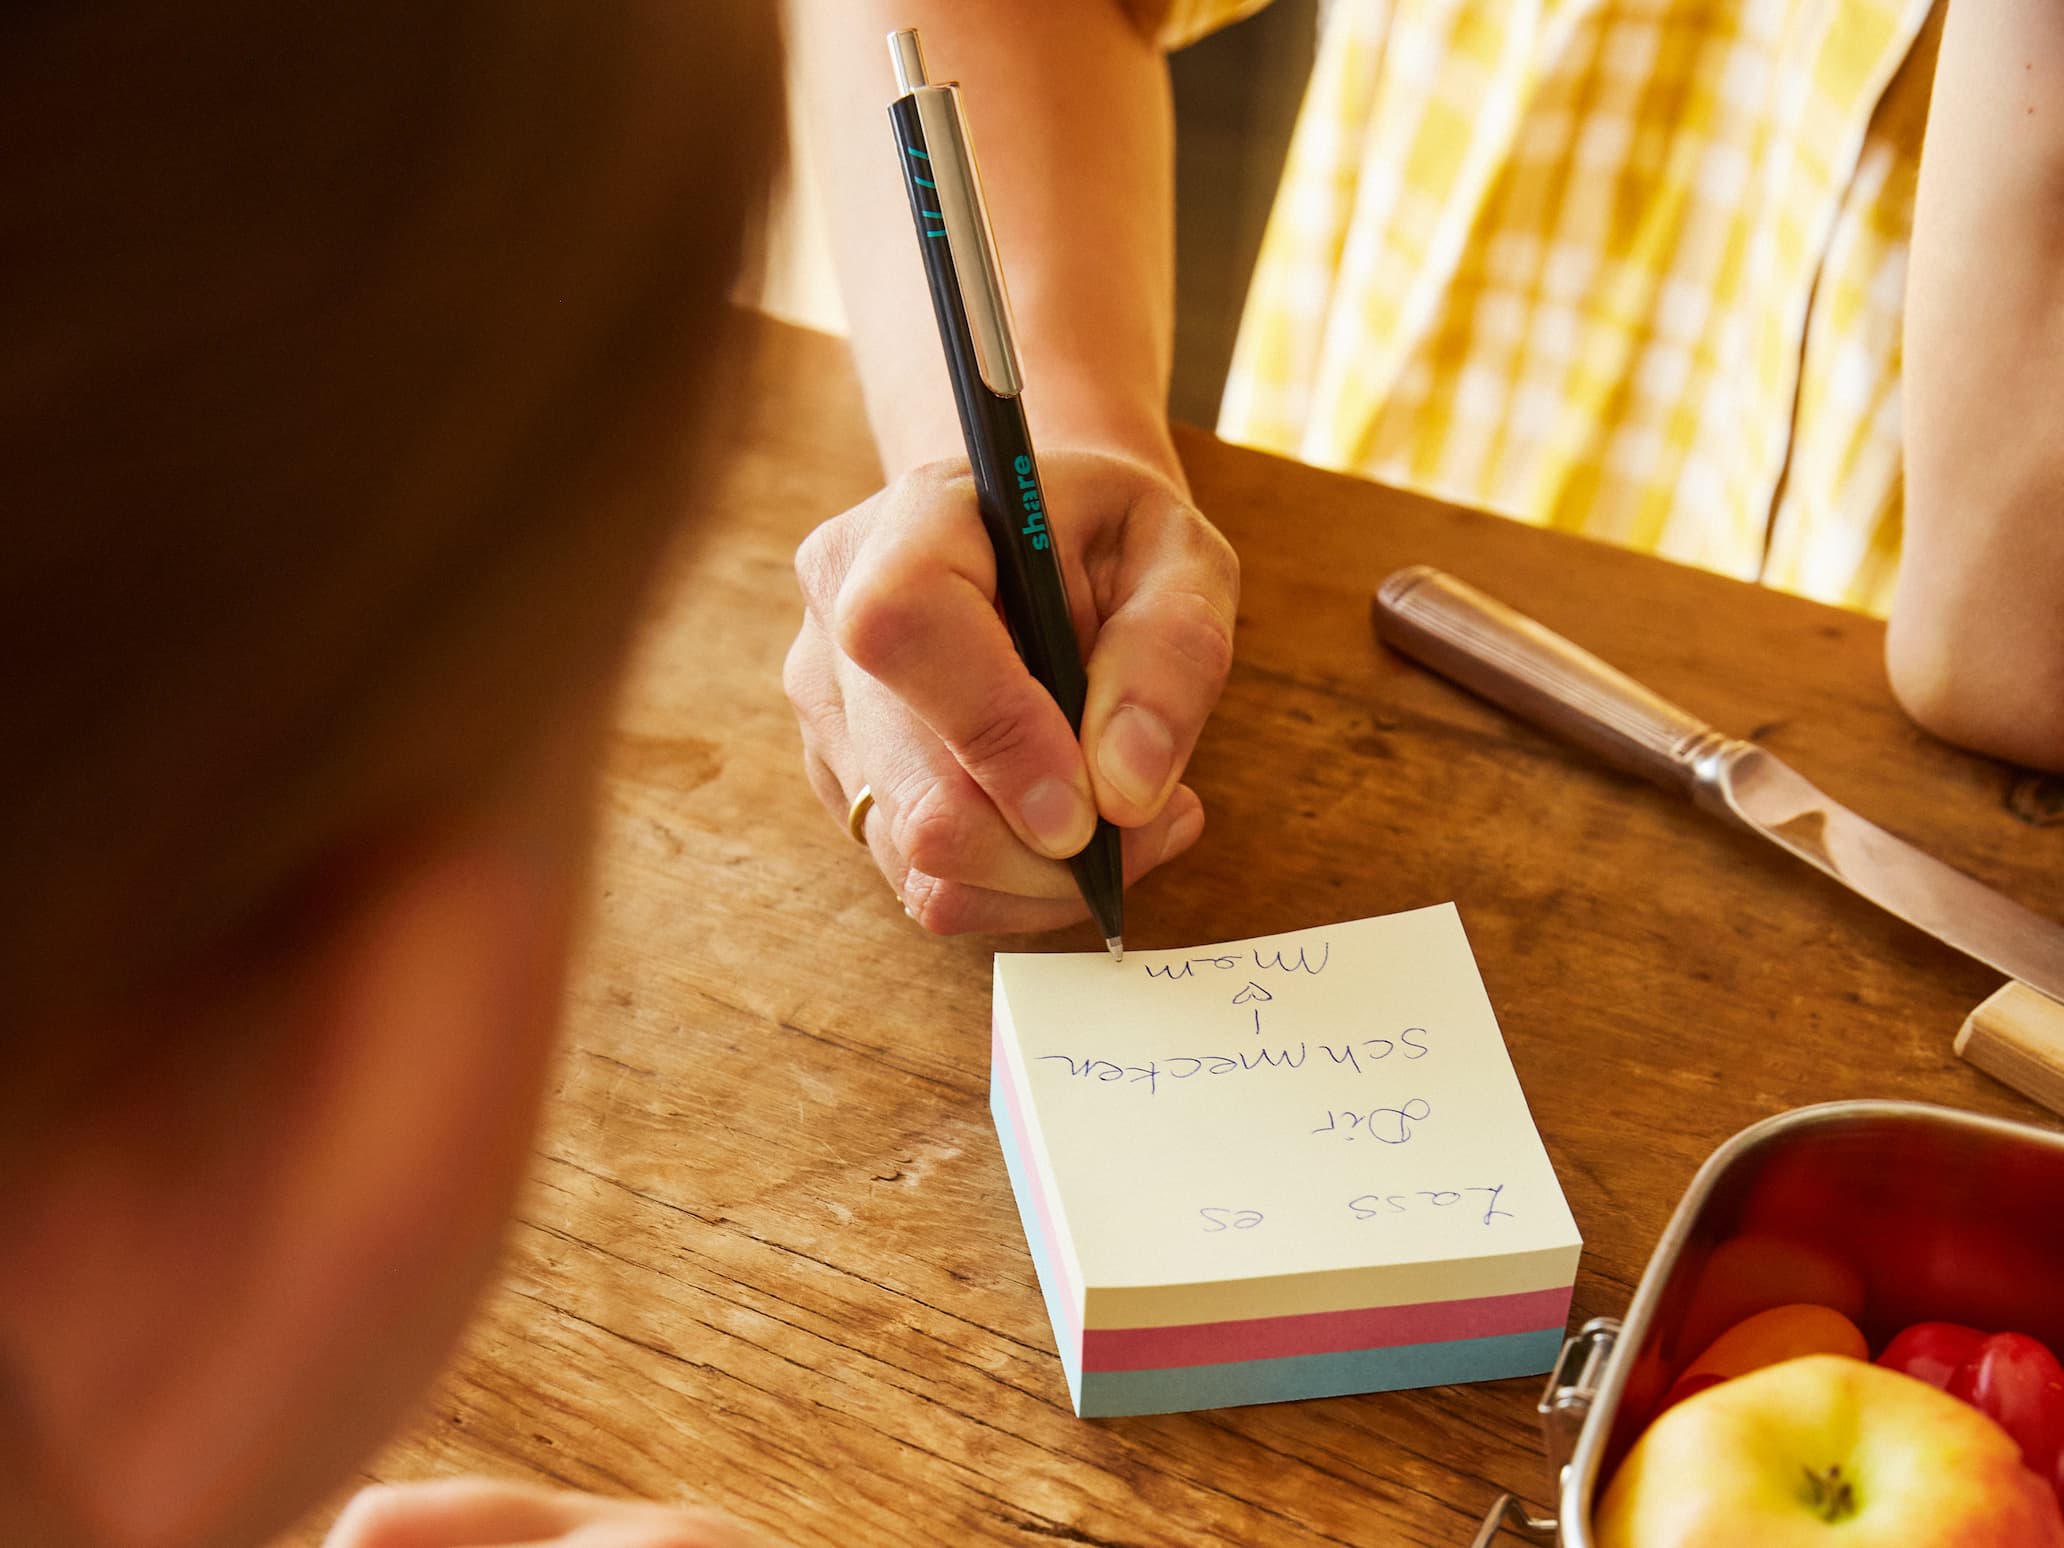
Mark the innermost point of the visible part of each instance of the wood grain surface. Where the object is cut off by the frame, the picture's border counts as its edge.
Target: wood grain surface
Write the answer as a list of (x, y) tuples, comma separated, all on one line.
[(769, 1258)]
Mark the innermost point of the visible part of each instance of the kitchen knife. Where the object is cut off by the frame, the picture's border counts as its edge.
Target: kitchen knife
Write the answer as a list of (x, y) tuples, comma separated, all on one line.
[(1534, 672)]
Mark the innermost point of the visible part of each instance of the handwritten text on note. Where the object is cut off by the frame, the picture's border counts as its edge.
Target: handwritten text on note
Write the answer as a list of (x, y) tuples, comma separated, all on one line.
[(1307, 1102)]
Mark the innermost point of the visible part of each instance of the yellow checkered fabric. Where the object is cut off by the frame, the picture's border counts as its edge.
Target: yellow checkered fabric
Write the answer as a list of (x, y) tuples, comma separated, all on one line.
[(1631, 268)]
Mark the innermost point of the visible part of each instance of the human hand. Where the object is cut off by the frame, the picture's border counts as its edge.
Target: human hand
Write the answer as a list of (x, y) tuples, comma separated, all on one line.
[(904, 679), (491, 1513)]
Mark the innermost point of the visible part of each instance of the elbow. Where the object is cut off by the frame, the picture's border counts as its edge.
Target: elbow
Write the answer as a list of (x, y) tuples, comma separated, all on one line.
[(1982, 666)]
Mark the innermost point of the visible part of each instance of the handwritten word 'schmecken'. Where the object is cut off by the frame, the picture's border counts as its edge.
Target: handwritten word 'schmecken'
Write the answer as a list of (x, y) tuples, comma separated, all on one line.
[(1353, 1057)]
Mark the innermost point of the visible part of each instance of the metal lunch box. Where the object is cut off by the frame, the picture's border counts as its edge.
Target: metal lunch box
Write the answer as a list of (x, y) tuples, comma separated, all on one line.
[(1931, 1212)]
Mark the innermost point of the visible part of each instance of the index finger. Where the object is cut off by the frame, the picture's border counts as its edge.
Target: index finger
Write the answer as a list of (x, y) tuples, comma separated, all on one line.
[(918, 614)]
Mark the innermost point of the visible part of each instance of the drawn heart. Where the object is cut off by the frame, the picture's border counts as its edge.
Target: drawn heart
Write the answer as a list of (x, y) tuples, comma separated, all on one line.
[(1253, 991)]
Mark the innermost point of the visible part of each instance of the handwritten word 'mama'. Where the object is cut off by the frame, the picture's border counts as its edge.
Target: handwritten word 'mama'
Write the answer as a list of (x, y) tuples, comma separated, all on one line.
[(1274, 959), (1354, 1056)]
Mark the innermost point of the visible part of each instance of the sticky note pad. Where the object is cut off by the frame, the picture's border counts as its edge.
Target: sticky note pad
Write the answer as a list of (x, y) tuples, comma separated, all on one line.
[(1295, 1166)]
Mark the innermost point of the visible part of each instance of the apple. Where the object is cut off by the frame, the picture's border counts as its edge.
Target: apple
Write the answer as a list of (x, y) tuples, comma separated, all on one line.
[(1826, 1452)]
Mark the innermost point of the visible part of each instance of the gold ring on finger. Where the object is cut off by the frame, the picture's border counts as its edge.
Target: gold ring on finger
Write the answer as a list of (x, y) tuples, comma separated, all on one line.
[(856, 815)]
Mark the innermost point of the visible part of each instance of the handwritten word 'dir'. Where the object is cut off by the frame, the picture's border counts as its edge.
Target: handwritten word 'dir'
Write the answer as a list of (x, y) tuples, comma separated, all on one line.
[(1385, 1125)]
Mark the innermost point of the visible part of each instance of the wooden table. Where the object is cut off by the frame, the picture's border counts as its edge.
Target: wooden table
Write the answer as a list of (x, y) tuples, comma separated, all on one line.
[(769, 1259)]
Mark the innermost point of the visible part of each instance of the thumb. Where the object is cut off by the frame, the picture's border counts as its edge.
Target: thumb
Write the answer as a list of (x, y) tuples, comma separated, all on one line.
[(1159, 664)]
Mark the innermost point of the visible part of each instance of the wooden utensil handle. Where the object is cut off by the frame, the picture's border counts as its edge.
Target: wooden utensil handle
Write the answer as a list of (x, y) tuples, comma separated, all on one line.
[(2017, 1036), (1536, 673)]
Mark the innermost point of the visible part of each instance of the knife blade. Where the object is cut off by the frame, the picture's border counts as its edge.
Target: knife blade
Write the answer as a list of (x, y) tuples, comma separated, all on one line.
[(1524, 667)]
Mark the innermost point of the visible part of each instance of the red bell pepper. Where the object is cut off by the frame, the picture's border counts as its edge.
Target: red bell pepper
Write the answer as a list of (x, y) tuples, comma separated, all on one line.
[(2011, 1378)]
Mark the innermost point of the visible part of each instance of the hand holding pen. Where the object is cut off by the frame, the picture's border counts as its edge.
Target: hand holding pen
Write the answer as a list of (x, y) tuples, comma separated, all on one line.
[(907, 682), (966, 281)]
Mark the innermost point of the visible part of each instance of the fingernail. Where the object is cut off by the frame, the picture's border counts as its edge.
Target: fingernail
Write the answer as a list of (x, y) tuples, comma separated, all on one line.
[(1058, 816), (1137, 754), (1182, 833)]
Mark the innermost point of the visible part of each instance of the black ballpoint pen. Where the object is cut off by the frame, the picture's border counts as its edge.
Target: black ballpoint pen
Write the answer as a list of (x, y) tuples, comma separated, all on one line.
[(974, 325)]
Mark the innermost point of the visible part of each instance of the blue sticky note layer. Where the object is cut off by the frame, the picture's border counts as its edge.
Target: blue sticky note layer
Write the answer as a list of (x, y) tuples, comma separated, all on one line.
[(1106, 1394), (1181, 1389), (1065, 1319)]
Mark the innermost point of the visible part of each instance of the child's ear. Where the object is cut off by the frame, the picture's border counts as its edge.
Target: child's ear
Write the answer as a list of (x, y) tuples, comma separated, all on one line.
[(204, 1349)]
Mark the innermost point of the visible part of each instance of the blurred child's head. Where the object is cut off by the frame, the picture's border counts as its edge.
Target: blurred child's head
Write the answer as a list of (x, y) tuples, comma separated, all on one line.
[(350, 363)]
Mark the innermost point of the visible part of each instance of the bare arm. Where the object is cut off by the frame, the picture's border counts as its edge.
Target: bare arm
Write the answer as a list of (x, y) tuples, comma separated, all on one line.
[(1068, 106), (1976, 647), (903, 677)]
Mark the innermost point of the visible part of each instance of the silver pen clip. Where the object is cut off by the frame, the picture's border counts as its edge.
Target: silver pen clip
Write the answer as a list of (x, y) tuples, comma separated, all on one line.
[(969, 240)]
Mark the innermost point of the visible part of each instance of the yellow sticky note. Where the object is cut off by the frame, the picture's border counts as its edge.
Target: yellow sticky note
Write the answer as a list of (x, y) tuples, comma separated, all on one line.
[(1280, 1167)]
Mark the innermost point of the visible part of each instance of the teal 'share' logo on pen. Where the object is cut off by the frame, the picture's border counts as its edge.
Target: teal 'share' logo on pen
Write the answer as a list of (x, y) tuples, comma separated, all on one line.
[(1028, 496), (925, 182)]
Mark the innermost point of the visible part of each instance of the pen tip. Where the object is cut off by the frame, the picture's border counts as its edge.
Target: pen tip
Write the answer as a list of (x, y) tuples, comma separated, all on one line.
[(1115, 945)]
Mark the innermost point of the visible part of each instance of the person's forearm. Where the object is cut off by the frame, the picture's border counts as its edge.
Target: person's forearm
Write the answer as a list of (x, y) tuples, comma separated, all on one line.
[(1068, 107), (1976, 645)]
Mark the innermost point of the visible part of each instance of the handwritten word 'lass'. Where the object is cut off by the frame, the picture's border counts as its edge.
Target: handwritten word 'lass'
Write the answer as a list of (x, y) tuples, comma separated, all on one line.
[(1374, 1206), (1378, 1206)]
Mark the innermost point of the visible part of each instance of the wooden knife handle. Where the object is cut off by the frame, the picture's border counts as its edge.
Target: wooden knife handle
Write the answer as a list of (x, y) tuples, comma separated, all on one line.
[(1536, 673)]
